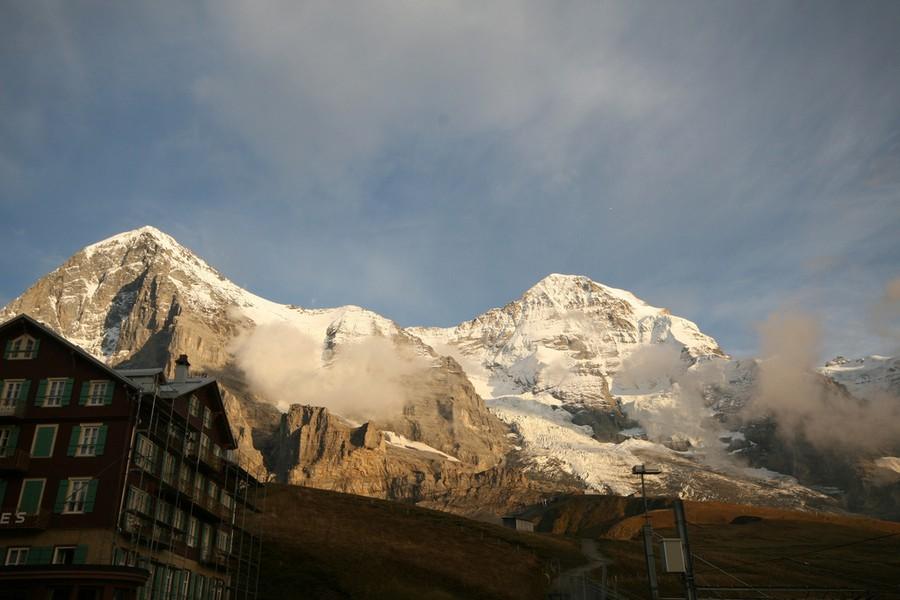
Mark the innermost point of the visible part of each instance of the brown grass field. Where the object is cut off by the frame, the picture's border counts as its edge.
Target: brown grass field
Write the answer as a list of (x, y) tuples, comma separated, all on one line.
[(320, 544), (782, 548)]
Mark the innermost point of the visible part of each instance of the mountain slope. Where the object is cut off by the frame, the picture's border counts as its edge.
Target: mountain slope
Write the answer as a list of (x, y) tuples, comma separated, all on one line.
[(140, 299), (565, 388)]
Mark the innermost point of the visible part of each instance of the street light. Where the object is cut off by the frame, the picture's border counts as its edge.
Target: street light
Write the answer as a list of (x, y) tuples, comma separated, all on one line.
[(648, 530)]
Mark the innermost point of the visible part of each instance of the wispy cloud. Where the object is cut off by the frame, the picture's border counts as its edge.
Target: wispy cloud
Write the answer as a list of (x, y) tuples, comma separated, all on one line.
[(430, 161)]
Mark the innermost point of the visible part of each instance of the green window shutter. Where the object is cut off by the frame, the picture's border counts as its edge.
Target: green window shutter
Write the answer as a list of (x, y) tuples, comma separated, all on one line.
[(80, 554), (39, 555), (61, 492), (73, 440), (110, 390), (23, 393), (42, 391), (37, 346), (43, 443), (192, 583), (82, 396), (31, 496), (91, 495), (2, 490), (7, 349), (13, 442), (176, 584), (101, 440), (67, 392)]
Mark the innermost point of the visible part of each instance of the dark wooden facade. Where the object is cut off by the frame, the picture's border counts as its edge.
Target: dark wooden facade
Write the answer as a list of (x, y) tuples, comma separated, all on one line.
[(111, 470)]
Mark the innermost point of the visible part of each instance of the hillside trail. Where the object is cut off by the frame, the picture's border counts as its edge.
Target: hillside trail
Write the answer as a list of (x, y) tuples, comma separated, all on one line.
[(576, 584)]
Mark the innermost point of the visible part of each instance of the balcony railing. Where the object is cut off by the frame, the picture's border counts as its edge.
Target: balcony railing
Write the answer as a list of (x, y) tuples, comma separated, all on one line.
[(12, 408), (14, 460)]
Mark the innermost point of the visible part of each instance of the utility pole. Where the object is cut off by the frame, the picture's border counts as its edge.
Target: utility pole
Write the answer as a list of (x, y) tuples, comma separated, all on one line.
[(648, 531), (688, 575)]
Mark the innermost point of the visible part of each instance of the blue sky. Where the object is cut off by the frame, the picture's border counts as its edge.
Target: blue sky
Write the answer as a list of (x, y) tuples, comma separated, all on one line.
[(432, 160)]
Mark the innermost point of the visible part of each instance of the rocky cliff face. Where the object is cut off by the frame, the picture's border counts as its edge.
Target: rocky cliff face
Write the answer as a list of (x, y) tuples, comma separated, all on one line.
[(318, 449), (140, 299), (565, 388)]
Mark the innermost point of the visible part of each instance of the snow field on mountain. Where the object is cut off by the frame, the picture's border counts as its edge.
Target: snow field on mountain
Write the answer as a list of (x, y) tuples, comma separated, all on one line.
[(395, 439), (549, 436)]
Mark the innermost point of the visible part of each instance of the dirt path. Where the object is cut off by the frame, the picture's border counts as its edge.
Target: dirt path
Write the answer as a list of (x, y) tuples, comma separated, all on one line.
[(575, 583)]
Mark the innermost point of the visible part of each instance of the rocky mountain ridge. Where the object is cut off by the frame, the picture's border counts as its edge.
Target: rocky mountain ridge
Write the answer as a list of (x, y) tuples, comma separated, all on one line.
[(563, 389)]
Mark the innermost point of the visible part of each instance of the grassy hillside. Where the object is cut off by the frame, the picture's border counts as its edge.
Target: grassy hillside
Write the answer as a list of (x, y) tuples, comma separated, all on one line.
[(742, 545), (320, 544)]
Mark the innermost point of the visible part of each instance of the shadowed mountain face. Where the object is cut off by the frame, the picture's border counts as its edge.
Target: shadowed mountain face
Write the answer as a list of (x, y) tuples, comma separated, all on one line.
[(563, 389)]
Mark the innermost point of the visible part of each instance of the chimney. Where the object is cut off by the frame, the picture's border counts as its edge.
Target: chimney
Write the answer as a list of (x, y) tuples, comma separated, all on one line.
[(182, 367)]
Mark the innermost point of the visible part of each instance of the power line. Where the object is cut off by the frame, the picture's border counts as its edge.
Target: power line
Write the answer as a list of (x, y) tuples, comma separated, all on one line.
[(824, 549)]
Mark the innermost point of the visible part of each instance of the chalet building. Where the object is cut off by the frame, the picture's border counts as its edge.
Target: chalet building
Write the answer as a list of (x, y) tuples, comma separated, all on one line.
[(117, 484)]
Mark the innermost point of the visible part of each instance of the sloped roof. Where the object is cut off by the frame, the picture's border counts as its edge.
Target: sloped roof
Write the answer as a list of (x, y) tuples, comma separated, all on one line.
[(24, 318)]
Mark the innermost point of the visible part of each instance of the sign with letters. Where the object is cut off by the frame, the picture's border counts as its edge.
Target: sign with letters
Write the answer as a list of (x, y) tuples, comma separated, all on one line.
[(9, 518)]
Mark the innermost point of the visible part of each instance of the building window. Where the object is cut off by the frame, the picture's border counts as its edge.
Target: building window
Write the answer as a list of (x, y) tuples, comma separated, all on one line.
[(138, 500), (193, 532), (44, 441), (16, 556), (206, 532), (223, 541), (184, 479), (207, 417), (23, 347), (168, 470), (194, 406), (204, 445), (54, 392), (145, 454), (199, 484), (97, 392), (30, 496), (76, 496), (212, 491), (180, 520), (9, 440), (13, 391), (87, 439), (163, 512), (190, 442), (64, 555)]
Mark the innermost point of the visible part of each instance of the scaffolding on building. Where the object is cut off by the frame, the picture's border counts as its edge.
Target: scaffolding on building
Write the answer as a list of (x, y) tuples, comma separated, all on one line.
[(182, 488)]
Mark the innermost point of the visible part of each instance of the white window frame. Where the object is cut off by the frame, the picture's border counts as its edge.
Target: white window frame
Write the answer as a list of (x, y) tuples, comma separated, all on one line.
[(57, 399), (40, 501), (73, 505), (5, 435), (21, 553), (193, 531), (194, 406), (56, 554), (83, 449), (17, 352), (145, 461), (169, 470), (96, 395), (207, 418), (34, 439), (5, 398)]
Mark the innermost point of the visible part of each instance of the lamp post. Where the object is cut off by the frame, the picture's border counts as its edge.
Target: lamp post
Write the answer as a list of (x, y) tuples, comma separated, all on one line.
[(648, 531)]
